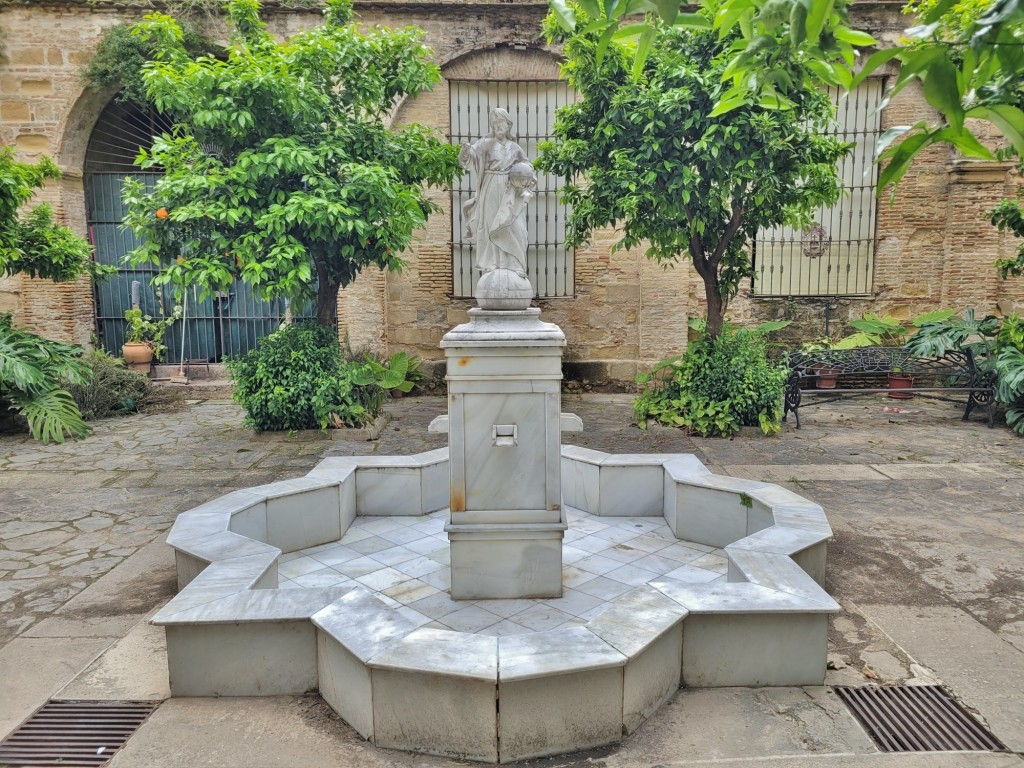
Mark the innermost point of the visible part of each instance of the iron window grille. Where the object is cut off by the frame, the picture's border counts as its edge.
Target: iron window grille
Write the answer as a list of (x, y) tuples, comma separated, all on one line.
[(532, 105), (836, 255)]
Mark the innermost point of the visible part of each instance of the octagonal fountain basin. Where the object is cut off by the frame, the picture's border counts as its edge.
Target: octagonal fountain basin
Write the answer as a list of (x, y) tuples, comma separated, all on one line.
[(338, 582)]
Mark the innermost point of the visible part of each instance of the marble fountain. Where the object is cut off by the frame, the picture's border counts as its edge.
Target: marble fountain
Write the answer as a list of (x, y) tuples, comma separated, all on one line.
[(509, 596), (506, 597)]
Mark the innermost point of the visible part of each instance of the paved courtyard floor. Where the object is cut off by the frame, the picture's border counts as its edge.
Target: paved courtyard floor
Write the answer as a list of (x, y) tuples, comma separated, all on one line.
[(927, 562)]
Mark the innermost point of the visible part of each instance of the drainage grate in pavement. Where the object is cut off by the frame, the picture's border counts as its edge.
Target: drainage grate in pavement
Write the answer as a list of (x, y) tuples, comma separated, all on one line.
[(916, 718), (74, 733)]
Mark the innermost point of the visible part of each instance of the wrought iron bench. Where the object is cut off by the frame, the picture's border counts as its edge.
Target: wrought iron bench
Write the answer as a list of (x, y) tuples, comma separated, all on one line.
[(864, 371)]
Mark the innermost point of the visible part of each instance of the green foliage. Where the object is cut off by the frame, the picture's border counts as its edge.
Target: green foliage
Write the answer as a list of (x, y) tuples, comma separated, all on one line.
[(281, 170), (888, 331), (997, 345), (31, 368), (777, 48), (967, 55), (144, 329), (649, 154), (32, 243), (1008, 216), (297, 378), (110, 388), (721, 384), (121, 57)]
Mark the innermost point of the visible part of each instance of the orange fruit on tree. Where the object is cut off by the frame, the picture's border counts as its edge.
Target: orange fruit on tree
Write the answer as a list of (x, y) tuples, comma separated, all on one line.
[(161, 213)]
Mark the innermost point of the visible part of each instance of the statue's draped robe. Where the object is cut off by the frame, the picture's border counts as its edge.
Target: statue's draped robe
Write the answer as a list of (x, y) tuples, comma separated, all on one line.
[(496, 217)]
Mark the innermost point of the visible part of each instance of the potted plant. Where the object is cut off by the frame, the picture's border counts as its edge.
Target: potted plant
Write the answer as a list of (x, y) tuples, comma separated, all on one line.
[(889, 331), (900, 380), (827, 375), (144, 338)]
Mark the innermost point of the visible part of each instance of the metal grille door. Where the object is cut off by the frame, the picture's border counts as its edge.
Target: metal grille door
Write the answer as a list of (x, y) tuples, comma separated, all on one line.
[(532, 105), (836, 256), (216, 328)]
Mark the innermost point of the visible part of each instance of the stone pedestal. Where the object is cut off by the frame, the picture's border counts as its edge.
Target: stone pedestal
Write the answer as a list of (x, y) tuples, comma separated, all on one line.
[(504, 405)]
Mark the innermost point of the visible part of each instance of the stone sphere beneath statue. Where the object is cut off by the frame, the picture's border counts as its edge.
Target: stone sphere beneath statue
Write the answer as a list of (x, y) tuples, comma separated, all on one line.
[(503, 289)]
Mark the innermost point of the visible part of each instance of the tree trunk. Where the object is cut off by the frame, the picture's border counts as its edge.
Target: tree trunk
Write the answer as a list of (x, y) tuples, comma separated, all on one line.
[(716, 305), (326, 298)]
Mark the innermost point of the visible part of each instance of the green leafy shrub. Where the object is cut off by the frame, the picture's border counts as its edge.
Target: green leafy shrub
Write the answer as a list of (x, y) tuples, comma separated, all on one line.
[(110, 387), (996, 344), (31, 369), (298, 378), (719, 385)]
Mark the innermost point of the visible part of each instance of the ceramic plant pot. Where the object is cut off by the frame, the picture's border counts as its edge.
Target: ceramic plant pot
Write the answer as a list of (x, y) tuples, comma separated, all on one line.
[(138, 356), (898, 381)]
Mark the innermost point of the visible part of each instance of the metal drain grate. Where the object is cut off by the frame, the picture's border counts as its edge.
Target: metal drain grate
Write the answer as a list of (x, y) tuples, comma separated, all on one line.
[(74, 733), (916, 718)]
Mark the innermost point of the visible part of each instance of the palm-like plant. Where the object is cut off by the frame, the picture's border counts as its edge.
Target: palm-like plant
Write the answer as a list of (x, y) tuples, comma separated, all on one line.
[(30, 367)]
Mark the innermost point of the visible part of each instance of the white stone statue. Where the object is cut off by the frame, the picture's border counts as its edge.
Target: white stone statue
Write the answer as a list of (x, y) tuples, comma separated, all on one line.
[(496, 216)]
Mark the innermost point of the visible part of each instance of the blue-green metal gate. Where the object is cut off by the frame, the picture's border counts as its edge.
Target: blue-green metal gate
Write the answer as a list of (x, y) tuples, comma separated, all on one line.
[(219, 327)]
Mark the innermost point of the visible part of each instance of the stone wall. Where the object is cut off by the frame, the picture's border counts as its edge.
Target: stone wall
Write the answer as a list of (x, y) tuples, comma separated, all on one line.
[(935, 247)]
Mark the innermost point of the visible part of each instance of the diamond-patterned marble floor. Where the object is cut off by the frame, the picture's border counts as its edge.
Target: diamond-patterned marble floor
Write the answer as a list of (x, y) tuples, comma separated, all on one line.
[(405, 561)]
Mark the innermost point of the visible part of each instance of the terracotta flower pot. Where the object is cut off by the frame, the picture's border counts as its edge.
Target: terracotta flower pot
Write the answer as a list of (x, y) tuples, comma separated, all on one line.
[(826, 377), (138, 356), (898, 381)]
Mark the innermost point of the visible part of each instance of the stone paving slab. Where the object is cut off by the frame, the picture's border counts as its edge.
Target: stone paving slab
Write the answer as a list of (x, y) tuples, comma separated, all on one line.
[(928, 513)]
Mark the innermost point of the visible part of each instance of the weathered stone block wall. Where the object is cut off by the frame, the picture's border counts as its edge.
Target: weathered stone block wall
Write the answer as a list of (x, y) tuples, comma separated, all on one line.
[(935, 246)]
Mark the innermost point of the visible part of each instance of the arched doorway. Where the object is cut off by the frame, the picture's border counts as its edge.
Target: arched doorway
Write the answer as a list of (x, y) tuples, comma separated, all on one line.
[(217, 328)]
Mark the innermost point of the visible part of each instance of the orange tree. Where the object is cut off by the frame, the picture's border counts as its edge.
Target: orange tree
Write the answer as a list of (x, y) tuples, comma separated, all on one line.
[(280, 169)]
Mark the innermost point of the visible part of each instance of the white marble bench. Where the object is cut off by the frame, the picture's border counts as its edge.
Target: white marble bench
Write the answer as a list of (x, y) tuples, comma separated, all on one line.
[(230, 631)]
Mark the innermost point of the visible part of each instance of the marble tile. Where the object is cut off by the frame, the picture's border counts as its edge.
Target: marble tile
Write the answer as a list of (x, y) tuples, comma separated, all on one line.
[(369, 545), (426, 545), (606, 589), (574, 602), (253, 659), (358, 567), (632, 575), (388, 490), (657, 563), (420, 567), (436, 606), (382, 579), (692, 575), (299, 566), (571, 555), (729, 649), (435, 651), (597, 564), (326, 577), (377, 525), (401, 535), (304, 518), (648, 544), (469, 619), (616, 534), (393, 556), (504, 628), (441, 580), (592, 544), (573, 577), (557, 688), (362, 624), (334, 554), (540, 617), (410, 591), (710, 515), (711, 562), (505, 607), (251, 522), (636, 490)]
